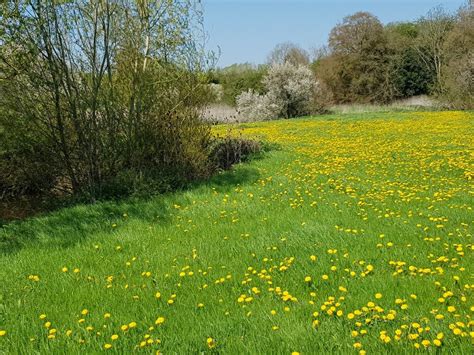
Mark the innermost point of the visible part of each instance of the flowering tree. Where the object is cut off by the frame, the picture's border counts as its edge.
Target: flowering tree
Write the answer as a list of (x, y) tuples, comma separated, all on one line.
[(290, 92)]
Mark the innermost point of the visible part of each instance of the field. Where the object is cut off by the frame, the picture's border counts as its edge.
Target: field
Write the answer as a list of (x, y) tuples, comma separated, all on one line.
[(353, 234)]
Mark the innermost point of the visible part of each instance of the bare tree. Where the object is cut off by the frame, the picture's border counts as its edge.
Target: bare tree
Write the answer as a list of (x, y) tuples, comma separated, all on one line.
[(288, 52), (458, 69), (433, 31)]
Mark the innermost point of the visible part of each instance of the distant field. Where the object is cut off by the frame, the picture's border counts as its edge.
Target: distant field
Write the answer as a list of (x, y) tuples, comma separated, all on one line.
[(354, 234)]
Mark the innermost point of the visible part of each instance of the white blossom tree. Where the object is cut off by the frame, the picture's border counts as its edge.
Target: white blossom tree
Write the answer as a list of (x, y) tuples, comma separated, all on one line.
[(290, 92)]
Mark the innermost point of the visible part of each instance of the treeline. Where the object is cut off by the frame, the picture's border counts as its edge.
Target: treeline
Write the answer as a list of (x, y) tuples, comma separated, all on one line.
[(368, 62)]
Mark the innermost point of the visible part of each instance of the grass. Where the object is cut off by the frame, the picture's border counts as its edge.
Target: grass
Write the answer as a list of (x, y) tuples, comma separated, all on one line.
[(355, 235)]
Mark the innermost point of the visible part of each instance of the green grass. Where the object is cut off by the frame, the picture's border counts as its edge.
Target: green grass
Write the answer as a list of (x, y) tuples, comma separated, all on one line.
[(377, 188)]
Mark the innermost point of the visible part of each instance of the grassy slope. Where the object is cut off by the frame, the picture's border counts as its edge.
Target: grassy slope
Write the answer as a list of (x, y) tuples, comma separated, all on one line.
[(377, 188)]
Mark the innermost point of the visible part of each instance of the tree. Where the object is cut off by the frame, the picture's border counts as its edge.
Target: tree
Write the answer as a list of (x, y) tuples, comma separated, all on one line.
[(288, 52), (357, 69), (433, 31), (457, 76), (291, 91), (410, 75)]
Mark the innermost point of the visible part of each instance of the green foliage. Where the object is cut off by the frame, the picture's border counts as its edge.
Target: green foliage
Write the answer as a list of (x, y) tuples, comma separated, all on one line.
[(238, 78), (409, 73)]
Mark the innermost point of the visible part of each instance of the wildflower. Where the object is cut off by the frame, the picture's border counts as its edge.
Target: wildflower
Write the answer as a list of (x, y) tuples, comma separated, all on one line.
[(211, 343)]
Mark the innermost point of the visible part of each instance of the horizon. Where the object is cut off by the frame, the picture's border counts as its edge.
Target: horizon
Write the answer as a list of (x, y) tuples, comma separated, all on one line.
[(231, 25)]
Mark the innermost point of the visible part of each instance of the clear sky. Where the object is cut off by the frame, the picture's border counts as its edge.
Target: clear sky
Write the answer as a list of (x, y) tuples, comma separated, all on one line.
[(247, 30)]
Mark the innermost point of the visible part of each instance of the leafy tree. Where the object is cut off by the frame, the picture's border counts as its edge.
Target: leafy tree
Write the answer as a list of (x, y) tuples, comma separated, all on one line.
[(290, 91), (358, 68), (410, 75), (237, 78)]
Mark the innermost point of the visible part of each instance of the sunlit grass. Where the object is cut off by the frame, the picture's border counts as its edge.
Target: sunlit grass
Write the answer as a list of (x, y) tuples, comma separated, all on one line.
[(354, 235)]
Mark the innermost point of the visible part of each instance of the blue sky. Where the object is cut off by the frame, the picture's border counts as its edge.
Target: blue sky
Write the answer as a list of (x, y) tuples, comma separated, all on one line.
[(247, 30)]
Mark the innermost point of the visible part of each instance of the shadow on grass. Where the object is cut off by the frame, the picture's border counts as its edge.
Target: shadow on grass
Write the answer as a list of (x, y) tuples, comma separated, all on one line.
[(227, 180), (73, 225)]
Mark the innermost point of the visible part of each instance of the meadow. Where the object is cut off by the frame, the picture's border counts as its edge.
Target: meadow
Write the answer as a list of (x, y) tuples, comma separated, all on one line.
[(353, 234)]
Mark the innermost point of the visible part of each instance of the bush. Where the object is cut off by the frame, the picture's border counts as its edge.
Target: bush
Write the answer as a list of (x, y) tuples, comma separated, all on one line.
[(228, 151), (291, 91), (292, 87), (75, 113), (256, 107)]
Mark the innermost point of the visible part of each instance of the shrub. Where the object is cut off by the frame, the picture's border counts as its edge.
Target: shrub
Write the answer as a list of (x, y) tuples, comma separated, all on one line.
[(291, 91), (77, 112), (292, 87), (256, 107), (229, 150)]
